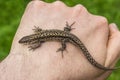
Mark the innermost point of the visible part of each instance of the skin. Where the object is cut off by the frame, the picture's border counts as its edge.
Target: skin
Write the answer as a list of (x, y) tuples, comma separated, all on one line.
[(101, 39)]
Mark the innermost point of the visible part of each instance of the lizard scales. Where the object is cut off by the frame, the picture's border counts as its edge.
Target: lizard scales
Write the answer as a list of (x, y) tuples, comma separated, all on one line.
[(40, 36)]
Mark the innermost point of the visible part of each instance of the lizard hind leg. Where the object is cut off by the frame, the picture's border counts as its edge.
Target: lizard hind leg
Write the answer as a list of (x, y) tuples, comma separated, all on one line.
[(68, 27), (63, 48)]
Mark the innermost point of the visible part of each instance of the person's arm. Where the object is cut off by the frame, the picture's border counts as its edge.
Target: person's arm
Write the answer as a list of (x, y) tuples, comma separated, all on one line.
[(44, 63)]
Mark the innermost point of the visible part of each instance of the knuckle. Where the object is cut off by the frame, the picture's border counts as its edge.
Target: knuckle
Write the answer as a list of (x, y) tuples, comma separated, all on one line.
[(30, 3), (79, 9), (36, 3), (58, 3), (102, 20)]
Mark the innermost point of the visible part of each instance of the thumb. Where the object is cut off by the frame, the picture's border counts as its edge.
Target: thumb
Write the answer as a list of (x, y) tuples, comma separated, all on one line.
[(113, 28), (113, 48)]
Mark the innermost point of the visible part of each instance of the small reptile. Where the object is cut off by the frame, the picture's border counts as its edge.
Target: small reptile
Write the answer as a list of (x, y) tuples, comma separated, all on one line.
[(35, 40)]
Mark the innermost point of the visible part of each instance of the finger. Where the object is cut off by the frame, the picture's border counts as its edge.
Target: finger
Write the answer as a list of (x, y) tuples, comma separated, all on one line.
[(113, 28), (113, 45)]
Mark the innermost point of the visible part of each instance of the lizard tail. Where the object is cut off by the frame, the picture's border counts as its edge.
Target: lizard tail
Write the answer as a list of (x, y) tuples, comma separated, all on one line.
[(92, 60)]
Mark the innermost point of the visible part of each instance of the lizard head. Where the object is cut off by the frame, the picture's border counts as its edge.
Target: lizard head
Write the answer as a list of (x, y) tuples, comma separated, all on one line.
[(26, 39)]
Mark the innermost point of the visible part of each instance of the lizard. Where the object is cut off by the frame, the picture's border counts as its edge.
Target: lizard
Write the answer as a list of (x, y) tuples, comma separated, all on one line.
[(35, 40)]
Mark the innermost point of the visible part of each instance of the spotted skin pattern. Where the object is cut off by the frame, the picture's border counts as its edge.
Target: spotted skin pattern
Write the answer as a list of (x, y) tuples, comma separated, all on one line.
[(35, 40)]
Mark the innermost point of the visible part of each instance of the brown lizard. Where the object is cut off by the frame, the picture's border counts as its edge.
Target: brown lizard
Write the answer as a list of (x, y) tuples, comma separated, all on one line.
[(34, 41)]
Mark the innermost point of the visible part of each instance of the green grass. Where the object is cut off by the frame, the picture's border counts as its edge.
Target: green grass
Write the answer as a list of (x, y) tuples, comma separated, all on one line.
[(11, 12)]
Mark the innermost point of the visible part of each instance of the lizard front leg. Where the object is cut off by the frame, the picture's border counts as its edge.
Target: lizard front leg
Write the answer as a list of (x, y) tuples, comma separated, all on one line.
[(68, 27), (37, 29), (35, 45)]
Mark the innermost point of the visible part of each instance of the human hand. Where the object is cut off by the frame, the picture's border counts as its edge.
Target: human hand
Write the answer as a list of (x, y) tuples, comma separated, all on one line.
[(45, 63)]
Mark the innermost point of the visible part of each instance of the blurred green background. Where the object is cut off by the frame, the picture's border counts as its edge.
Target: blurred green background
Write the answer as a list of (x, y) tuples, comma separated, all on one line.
[(11, 12)]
